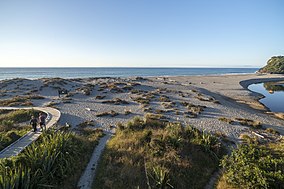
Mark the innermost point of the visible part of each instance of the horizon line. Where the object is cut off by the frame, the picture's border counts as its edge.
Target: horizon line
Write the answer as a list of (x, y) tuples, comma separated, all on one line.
[(124, 67)]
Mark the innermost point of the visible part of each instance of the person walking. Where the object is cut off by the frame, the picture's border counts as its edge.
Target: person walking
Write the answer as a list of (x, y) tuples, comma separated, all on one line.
[(42, 118), (33, 122)]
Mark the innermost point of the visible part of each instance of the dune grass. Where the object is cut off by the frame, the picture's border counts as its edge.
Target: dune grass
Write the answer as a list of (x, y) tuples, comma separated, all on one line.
[(148, 153)]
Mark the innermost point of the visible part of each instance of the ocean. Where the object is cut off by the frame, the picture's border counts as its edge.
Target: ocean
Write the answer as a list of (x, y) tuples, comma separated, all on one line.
[(33, 73)]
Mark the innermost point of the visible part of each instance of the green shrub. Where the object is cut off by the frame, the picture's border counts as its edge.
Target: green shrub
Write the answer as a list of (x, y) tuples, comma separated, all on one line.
[(252, 166)]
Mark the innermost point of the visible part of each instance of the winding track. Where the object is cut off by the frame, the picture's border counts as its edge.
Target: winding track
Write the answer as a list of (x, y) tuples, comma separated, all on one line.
[(53, 115)]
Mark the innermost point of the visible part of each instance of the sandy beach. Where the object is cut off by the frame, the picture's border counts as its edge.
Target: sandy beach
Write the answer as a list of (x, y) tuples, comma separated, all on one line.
[(88, 98)]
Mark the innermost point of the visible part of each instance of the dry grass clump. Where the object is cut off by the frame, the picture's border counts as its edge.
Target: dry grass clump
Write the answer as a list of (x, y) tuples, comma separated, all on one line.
[(111, 113), (159, 111), (147, 109), (184, 103), (227, 120), (159, 117), (157, 155), (141, 79), (19, 101), (168, 105), (164, 98), (86, 124), (115, 89), (272, 131), (127, 88), (248, 139), (99, 97), (249, 122), (127, 112), (54, 81), (195, 109), (141, 100), (137, 91), (86, 89), (148, 96), (190, 114), (116, 101), (70, 94)]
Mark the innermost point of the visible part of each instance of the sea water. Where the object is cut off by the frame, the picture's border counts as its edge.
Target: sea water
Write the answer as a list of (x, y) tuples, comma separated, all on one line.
[(33, 73)]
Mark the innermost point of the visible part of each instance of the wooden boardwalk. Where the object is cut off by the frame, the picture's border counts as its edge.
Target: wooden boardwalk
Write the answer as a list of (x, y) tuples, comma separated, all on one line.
[(53, 115)]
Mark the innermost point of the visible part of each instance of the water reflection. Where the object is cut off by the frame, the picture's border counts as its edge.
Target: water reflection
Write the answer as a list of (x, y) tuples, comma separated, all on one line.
[(273, 86), (273, 92)]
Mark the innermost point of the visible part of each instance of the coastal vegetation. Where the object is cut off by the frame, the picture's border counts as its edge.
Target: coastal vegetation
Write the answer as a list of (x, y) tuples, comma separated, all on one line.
[(150, 153), (275, 65), (56, 160), (254, 166)]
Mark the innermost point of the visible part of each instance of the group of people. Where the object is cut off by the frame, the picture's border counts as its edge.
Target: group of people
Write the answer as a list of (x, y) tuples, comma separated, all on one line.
[(41, 120)]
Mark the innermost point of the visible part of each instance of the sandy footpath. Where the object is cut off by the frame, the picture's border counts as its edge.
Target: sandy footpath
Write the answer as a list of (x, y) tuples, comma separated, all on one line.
[(108, 101)]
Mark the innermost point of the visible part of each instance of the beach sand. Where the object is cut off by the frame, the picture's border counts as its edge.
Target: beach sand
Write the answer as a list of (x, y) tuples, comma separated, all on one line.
[(78, 106)]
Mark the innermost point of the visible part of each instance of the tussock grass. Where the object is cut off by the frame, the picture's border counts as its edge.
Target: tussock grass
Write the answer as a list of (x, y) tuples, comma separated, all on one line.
[(147, 153)]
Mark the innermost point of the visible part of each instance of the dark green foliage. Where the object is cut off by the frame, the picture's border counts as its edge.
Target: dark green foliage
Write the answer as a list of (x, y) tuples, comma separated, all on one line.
[(274, 65), (252, 166)]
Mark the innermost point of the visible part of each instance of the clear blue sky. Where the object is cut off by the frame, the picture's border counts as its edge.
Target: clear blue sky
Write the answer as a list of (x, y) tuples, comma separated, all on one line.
[(160, 33)]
